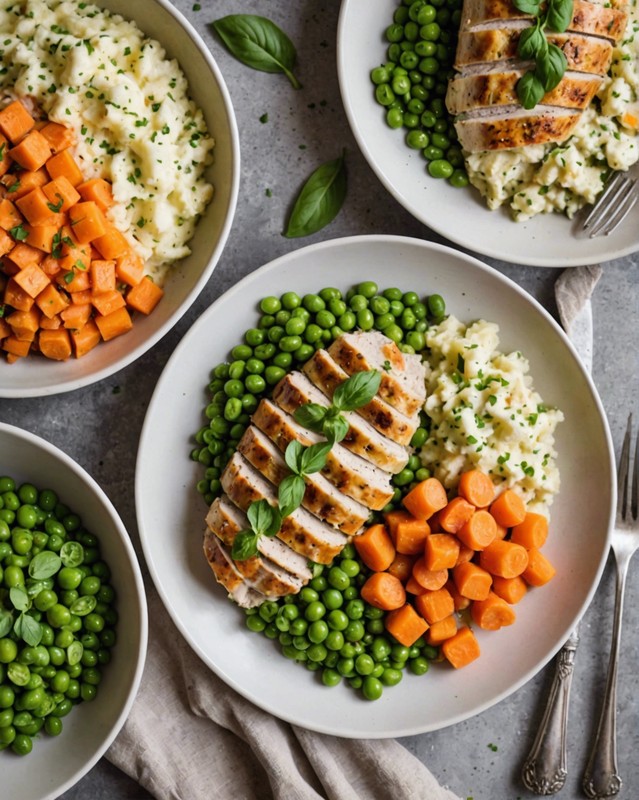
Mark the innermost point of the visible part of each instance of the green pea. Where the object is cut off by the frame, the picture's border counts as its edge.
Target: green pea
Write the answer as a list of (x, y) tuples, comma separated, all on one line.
[(254, 337), (380, 75), (459, 179), (436, 305), (417, 139), (255, 383), (440, 168), (332, 599), (372, 688), (270, 305), (394, 118), (265, 351), (419, 665), (273, 374)]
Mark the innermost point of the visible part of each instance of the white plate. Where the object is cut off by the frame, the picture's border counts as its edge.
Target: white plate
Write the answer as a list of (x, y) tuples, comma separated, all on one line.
[(171, 513), (56, 764), (549, 240)]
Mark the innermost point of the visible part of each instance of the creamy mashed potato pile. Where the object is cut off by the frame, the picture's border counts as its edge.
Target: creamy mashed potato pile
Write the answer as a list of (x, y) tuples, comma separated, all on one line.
[(129, 107), (486, 414), (545, 178)]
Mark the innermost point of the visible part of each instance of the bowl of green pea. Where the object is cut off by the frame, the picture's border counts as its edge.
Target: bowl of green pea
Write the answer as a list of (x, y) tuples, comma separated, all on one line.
[(73, 619)]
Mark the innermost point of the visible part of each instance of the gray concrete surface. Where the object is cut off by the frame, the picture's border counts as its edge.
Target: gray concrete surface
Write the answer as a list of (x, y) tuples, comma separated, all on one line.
[(479, 758)]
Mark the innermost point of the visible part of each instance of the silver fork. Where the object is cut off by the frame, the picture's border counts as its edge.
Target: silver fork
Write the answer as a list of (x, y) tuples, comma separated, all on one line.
[(601, 778), (613, 205)]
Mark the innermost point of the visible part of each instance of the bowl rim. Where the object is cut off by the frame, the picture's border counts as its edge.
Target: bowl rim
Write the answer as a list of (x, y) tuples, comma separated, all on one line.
[(33, 439), (209, 267)]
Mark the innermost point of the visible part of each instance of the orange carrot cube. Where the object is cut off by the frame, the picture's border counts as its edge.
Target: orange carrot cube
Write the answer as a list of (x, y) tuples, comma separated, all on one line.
[(32, 151), (15, 121), (87, 221)]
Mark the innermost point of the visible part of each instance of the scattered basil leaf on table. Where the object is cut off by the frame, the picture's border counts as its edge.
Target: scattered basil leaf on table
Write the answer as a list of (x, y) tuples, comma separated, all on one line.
[(319, 200), (258, 43)]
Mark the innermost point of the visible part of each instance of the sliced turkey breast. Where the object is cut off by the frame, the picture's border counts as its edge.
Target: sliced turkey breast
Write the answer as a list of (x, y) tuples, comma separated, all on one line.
[(226, 574), (362, 438), (350, 474), (469, 92), (327, 375), (228, 520), (320, 498), (403, 382), (301, 530), (514, 126)]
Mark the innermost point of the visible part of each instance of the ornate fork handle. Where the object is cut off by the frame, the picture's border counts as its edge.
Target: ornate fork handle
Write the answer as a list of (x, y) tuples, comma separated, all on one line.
[(544, 771)]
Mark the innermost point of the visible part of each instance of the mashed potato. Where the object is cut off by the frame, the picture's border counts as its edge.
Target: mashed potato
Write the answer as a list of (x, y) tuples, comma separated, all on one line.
[(486, 414), (129, 107), (546, 178)]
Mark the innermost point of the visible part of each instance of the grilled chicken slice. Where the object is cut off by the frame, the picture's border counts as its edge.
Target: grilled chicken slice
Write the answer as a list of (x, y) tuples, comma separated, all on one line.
[(301, 530), (295, 389), (260, 573), (320, 498), (514, 126), (402, 385), (226, 573), (469, 92), (350, 474), (327, 375)]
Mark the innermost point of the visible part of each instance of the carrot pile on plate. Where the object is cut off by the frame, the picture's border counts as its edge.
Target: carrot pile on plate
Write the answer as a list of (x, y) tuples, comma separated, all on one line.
[(476, 553), (68, 278)]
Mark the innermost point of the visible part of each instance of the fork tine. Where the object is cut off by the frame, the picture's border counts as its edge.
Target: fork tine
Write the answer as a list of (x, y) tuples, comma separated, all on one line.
[(598, 207), (622, 473), (626, 197)]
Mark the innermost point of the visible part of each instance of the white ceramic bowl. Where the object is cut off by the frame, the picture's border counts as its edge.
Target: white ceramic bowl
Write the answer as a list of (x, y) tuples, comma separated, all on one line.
[(55, 764), (158, 19)]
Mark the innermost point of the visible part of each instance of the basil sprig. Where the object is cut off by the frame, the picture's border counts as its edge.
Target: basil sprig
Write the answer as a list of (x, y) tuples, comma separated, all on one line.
[(24, 625), (550, 61), (319, 201), (265, 520), (258, 43)]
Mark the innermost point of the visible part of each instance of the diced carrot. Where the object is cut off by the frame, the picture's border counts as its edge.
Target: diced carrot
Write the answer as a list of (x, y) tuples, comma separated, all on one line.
[(50, 323), (462, 648), (512, 590), (32, 280), (435, 606), (630, 119), (24, 324), (465, 554), (375, 547), (472, 581), (63, 163), (428, 578), (98, 190), (14, 295), (440, 551), (412, 587), (87, 221), (73, 280), (476, 487), (85, 339), (539, 569), (145, 296), (76, 315), (459, 600), (50, 265), (441, 630), (58, 137), (55, 344), (84, 296), (102, 275), (31, 152), (434, 524), (107, 302), (15, 121), (410, 536), (402, 566), (455, 513), (24, 182), (532, 532), (479, 531), (15, 346), (5, 330), (504, 558), (6, 242), (60, 194), (51, 301), (10, 217), (426, 498), (42, 237), (502, 531), (111, 244), (393, 518), (116, 324), (508, 508), (5, 158), (405, 625), (24, 254), (492, 613), (129, 268), (381, 589)]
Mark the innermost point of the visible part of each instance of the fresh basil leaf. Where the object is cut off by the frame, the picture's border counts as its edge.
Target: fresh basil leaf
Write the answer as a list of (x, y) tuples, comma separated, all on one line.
[(19, 598), (357, 390), (528, 6), (311, 416), (293, 456), (319, 200), (314, 457), (550, 69), (6, 622), (262, 517), (532, 43), (258, 43), (44, 565), (559, 15), (335, 428), (290, 494), (530, 90), (244, 545), (31, 630)]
